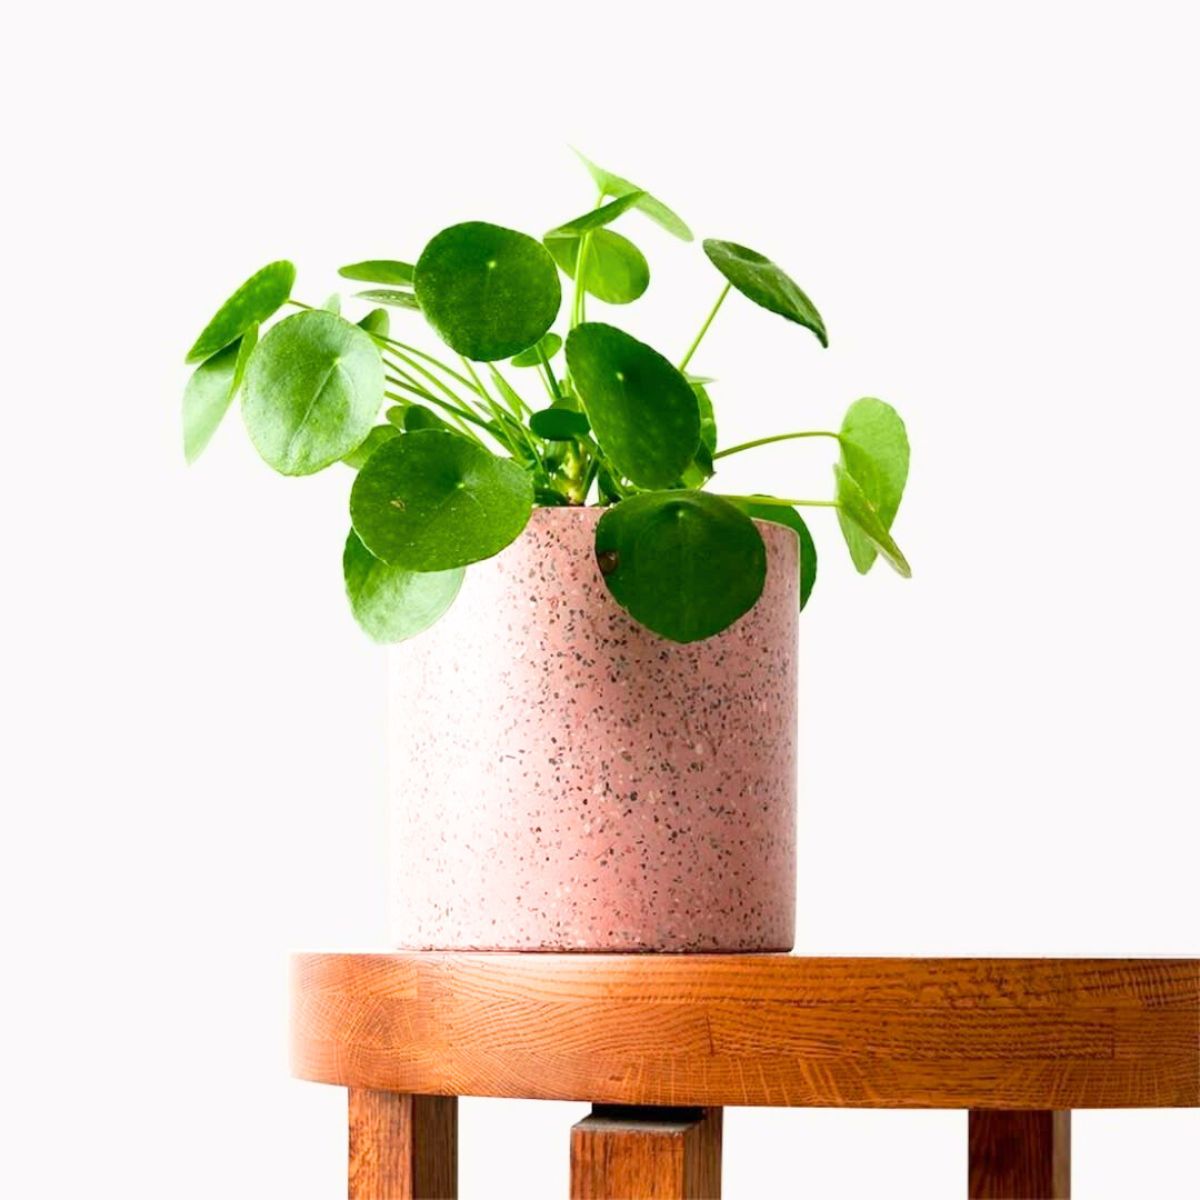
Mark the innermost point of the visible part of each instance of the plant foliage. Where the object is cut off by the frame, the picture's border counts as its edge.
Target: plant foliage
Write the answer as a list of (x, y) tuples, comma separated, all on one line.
[(450, 457)]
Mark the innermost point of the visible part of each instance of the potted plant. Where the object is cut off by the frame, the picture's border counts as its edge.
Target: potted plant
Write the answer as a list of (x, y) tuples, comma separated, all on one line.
[(594, 735)]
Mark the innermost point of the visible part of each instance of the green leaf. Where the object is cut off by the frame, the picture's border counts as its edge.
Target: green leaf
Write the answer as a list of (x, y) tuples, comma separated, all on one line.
[(700, 470), (684, 564), (614, 271), (559, 424), (760, 280), (261, 296), (390, 297), (550, 345), (390, 603), (643, 411), (613, 185), (782, 515), (379, 270), (313, 387), (596, 217), (377, 322), (433, 500), (855, 513), (489, 292), (379, 434), (417, 416), (874, 446), (333, 304), (211, 390), (708, 420)]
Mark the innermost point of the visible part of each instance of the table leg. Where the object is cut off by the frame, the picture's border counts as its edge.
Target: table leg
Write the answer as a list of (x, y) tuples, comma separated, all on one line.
[(403, 1147), (1020, 1155), (652, 1153)]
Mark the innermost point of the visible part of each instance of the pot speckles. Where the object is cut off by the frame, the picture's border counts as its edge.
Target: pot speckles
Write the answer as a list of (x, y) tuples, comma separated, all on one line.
[(563, 779)]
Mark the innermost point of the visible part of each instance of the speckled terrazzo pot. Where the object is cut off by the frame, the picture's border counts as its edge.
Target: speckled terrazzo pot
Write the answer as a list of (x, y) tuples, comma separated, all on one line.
[(564, 779)]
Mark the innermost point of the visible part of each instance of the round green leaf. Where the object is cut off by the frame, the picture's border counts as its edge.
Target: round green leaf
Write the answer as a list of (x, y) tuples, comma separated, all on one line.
[(313, 387), (760, 280), (390, 603), (782, 515), (874, 446), (559, 424), (379, 270), (489, 292), (614, 270), (684, 564), (211, 390), (260, 297), (433, 500), (643, 411), (550, 345), (389, 296), (376, 322), (613, 185), (378, 435), (856, 515)]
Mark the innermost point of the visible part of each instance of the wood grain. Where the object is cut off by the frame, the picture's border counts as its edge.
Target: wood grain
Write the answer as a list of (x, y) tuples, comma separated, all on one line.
[(402, 1147), (624, 1153), (1019, 1156), (709, 1031)]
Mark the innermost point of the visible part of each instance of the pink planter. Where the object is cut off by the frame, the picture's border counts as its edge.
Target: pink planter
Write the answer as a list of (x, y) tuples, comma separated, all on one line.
[(563, 779)]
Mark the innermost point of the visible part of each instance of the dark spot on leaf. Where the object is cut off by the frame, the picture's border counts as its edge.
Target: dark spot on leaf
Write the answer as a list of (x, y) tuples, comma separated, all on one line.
[(608, 561)]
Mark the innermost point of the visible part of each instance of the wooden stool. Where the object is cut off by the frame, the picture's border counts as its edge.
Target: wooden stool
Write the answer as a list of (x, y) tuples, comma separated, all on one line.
[(659, 1044)]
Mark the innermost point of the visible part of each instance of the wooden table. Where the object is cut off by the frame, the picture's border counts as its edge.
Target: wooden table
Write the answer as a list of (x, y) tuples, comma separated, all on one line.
[(660, 1044)]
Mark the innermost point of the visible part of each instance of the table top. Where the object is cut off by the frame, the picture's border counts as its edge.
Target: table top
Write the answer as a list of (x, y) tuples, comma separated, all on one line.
[(1000, 1033)]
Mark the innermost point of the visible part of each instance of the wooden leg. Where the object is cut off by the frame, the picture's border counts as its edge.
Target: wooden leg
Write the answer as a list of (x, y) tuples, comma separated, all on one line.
[(621, 1153), (1022, 1155), (403, 1147)]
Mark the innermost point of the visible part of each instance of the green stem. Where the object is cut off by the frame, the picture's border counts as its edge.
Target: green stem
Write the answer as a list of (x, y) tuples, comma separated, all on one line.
[(776, 502), (437, 362), (403, 379), (687, 358), (778, 437), (556, 394), (577, 306), (579, 302), (459, 413), (505, 422), (442, 387)]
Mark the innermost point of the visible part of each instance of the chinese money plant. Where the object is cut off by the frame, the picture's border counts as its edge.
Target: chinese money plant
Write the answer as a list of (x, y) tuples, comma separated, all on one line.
[(452, 456)]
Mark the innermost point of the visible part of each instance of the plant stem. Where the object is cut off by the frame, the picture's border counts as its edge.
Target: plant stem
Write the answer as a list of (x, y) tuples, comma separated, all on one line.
[(442, 387), (580, 298), (577, 306), (778, 437), (687, 358), (502, 418), (550, 377), (459, 413), (437, 362), (775, 502)]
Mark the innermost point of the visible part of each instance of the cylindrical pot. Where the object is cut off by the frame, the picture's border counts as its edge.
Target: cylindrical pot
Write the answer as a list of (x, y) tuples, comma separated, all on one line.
[(564, 779)]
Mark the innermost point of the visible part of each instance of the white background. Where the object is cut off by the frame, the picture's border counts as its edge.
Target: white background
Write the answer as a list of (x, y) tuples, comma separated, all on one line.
[(994, 208)]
